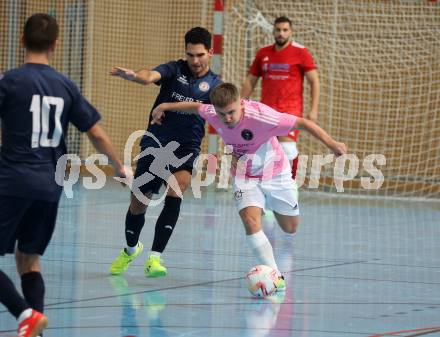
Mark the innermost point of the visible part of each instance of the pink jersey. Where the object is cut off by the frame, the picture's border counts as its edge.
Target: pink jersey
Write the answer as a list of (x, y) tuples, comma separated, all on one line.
[(255, 137)]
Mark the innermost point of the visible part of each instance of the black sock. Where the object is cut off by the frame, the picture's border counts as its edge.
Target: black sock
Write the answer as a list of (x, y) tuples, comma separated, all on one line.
[(133, 227), (165, 223), (33, 288), (10, 297)]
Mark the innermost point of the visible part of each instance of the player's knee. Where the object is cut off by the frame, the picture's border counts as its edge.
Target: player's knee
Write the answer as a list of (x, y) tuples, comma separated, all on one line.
[(290, 229), (176, 194), (252, 223), (291, 226), (183, 180), (27, 263), (183, 185), (137, 207), (24, 269)]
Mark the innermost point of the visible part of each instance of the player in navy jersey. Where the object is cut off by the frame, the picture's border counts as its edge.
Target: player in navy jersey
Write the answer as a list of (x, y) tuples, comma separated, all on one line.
[(36, 105), (183, 80)]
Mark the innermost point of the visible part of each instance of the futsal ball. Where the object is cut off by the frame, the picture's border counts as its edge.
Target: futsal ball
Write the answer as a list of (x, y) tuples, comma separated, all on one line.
[(261, 280)]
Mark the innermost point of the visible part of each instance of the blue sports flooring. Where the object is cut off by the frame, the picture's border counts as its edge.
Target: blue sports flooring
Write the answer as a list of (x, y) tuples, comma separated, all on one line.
[(355, 268)]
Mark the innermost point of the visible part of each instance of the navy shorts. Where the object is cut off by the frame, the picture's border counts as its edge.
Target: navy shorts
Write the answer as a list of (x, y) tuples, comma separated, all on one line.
[(28, 222), (154, 183)]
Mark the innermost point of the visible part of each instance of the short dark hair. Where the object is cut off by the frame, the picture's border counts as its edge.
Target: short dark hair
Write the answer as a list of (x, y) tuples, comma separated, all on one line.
[(198, 35), (282, 19), (40, 32), (224, 94)]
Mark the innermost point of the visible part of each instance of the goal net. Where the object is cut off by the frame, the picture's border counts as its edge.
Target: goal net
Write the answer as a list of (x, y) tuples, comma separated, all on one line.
[(380, 85)]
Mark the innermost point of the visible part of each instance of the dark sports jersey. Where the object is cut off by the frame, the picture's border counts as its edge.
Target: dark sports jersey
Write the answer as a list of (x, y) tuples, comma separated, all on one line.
[(36, 105), (178, 84)]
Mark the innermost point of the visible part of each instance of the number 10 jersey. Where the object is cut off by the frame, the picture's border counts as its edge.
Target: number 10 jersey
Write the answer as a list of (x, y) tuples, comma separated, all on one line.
[(36, 105)]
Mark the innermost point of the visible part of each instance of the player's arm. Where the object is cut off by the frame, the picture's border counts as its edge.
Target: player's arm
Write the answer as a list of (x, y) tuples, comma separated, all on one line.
[(159, 112), (143, 76), (102, 143), (248, 86), (305, 124), (312, 78), (4, 85)]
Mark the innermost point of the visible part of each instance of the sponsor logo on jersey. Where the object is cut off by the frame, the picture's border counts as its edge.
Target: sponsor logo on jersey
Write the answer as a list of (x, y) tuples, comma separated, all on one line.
[(247, 134), (183, 98), (279, 66), (182, 79), (204, 86)]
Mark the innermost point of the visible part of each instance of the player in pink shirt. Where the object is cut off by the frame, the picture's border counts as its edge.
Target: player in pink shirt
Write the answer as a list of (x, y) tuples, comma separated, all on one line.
[(262, 175)]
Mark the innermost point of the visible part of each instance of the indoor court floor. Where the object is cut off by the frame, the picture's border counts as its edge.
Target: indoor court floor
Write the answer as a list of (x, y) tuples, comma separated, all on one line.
[(356, 267)]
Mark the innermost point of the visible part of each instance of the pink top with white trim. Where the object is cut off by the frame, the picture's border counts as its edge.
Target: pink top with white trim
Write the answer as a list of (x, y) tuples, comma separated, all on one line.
[(255, 137)]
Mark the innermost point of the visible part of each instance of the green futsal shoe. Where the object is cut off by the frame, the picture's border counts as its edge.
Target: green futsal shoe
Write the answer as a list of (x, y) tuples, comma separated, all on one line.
[(277, 297), (154, 268), (121, 263), (280, 283)]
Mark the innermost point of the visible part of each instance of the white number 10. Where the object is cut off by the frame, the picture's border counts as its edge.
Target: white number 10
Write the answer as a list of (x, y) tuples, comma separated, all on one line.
[(40, 121)]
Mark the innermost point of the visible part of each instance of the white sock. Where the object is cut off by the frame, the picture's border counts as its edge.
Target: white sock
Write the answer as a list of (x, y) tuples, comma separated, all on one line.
[(25, 314), (153, 253), (131, 250), (262, 249)]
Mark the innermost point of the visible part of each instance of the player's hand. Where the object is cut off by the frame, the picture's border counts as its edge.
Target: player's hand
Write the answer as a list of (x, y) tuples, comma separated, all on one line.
[(234, 161), (125, 73), (339, 148), (124, 174), (238, 166), (158, 114), (312, 116)]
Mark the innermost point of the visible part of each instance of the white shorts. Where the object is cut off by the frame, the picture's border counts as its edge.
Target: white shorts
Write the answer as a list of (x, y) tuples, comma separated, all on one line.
[(279, 194), (290, 149)]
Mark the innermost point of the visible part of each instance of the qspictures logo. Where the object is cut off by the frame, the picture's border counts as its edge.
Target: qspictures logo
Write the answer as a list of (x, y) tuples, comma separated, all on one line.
[(159, 161)]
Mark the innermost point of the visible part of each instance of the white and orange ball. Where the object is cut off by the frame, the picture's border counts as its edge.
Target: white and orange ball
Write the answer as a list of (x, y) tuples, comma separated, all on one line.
[(261, 280)]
